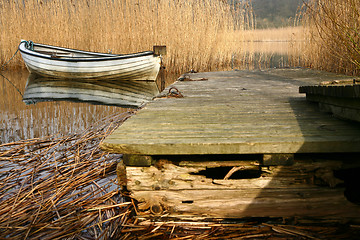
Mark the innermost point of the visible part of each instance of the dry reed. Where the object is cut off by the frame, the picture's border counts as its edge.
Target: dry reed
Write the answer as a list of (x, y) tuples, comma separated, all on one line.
[(194, 31), (332, 33), (54, 188)]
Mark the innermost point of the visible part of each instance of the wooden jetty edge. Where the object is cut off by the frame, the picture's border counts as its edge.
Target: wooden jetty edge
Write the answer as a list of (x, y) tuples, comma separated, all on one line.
[(176, 149), (341, 98)]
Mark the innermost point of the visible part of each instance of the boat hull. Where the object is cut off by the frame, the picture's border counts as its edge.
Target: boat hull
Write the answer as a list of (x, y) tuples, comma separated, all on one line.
[(60, 62)]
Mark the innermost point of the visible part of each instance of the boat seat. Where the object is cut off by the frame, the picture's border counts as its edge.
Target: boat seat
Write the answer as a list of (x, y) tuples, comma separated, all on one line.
[(63, 54)]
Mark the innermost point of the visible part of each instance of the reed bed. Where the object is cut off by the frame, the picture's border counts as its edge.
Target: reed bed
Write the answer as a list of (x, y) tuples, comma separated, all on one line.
[(332, 32), (196, 32), (59, 187)]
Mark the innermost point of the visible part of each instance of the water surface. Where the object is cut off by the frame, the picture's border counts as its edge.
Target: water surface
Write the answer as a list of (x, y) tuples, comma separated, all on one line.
[(20, 121)]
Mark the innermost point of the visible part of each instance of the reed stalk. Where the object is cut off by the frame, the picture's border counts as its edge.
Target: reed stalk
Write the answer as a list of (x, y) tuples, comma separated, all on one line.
[(333, 35)]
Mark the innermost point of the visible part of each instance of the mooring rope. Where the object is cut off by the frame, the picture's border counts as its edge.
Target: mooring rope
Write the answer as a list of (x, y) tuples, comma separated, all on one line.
[(12, 84), (28, 45), (2, 66)]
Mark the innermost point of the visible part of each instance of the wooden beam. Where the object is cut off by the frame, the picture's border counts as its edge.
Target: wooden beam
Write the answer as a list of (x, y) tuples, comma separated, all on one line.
[(137, 160), (278, 159)]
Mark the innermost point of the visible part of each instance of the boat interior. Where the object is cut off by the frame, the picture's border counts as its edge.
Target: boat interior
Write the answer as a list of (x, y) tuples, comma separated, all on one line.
[(58, 53)]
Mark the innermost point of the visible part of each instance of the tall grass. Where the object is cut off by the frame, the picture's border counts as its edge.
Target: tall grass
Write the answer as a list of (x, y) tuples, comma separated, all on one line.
[(196, 32), (333, 34)]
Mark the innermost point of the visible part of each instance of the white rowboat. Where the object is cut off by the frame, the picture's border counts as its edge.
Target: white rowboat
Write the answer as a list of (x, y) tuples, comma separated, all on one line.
[(59, 62)]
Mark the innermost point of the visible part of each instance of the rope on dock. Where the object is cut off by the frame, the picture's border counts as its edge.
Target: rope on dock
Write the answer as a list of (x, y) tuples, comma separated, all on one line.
[(174, 92)]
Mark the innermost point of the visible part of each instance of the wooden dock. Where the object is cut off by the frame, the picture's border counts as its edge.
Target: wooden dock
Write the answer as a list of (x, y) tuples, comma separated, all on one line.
[(237, 112), (217, 151)]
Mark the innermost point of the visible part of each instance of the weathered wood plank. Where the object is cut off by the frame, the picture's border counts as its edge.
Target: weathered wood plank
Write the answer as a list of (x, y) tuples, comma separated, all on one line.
[(226, 146), (241, 203), (341, 98), (343, 91), (279, 159)]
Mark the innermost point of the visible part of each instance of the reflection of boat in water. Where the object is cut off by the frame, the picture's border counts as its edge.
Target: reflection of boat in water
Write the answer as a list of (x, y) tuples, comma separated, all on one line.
[(106, 92), (62, 62)]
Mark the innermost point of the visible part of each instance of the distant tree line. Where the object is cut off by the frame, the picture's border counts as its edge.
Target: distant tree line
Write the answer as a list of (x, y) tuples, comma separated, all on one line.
[(273, 13)]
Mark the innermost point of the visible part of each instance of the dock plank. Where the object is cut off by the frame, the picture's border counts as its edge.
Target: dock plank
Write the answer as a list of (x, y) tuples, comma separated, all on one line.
[(237, 112)]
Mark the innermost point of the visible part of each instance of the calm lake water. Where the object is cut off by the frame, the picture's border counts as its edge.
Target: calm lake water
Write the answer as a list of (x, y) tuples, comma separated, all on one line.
[(20, 121)]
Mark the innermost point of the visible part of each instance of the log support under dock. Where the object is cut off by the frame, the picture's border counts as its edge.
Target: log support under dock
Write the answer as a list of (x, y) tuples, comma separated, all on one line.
[(191, 189)]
